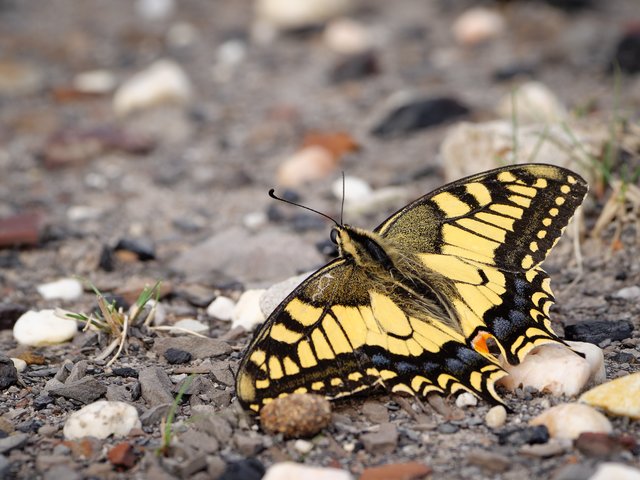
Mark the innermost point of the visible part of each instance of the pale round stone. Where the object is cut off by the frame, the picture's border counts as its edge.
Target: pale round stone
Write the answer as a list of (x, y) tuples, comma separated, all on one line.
[(496, 417), (478, 25), (44, 327), (617, 471), (569, 420), (20, 364), (466, 399), (551, 368), (63, 289), (295, 471), (102, 419), (192, 325), (303, 446), (355, 189), (290, 14), (620, 396), (221, 308), (309, 163), (347, 36), (595, 358), (161, 83), (534, 103), (95, 82), (247, 313)]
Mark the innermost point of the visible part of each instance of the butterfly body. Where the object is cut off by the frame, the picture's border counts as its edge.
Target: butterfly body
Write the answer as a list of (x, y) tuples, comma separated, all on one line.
[(404, 305)]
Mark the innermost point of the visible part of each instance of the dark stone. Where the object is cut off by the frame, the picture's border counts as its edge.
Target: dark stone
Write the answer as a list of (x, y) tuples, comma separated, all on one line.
[(627, 54), (176, 356), (624, 357), (143, 249), (596, 331), (247, 469), (29, 426), (570, 5), (448, 428), (520, 436), (8, 372), (125, 372), (107, 261), (509, 72), (356, 67), (85, 390), (419, 114), (42, 401), (9, 313), (303, 222)]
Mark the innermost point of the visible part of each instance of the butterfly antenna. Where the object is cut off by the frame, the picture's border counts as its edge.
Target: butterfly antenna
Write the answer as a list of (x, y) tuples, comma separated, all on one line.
[(275, 197), (342, 203)]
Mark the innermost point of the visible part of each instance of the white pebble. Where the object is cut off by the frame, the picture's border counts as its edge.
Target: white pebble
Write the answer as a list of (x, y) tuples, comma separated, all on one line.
[(20, 364), (303, 446), (534, 103), (628, 293), (191, 325), (496, 416), (161, 83), (102, 419), (595, 358), (466, 399), (63, 289), (355, 189), (569, 420), (80, 213), (296, 471), (155, 9), (290, 14), (221, 308), (95, 82), (307, 164), (551, 368), (478, 25), (44, 327), (617, 471), (347, 36), (247, 313), (255, 220)]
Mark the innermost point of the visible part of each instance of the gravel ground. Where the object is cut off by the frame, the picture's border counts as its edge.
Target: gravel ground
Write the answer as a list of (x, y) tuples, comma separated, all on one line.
[(187, 186)]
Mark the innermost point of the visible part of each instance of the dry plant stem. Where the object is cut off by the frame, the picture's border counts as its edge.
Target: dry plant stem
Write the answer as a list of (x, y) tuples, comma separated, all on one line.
[(178, 329), (123, 339), (107, 351)]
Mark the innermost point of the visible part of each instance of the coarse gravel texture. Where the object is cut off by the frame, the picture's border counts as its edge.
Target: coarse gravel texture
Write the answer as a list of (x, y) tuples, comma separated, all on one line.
[(211, 165)]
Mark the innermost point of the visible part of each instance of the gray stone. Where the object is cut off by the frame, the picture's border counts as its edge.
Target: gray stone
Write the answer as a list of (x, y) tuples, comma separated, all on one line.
[(155, 414), (45, 463), (489, 461), (199, 385), (199, 441), (215, 466), (255, 257), (8, 372), (198, 347), (85, 390), (61, 472), (156, 386), (375, 412), (78, 371), (223, 374), (13, 441), (248, 445), (129, 392), (383, 441), (575, 471), (192, 465), (4, 466), (213, 425)]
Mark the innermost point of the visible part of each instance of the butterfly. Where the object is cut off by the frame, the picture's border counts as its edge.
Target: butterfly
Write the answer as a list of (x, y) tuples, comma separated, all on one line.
[(410, 306)]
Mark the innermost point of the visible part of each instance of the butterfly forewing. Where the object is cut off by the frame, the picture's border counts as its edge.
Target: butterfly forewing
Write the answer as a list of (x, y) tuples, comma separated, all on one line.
[(459, 262)]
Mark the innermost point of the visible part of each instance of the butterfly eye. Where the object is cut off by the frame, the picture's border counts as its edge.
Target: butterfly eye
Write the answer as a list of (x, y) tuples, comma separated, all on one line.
[(334, 235)]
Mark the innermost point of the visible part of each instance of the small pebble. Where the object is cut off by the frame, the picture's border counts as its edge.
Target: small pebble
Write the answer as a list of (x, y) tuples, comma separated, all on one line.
[(175, 356), (191, 325), (296, 415), (95, 82), (569, 420), (102, 419), (221, 308), (384, 441), (308, 164), (603, 445), (619, 397), (294, 14), (63, 289), (627, 54), (255, 220), (303, 446), (551, 368), (20, 364), (162, 82), (628, 293), (478, 25), (295, 471), (523, 435), (44, 327), (355, 189), (466, 399), (496, 416), (247, 313), (8, 372), (397, 471), (534, 102), (155, 10), (347, 36)]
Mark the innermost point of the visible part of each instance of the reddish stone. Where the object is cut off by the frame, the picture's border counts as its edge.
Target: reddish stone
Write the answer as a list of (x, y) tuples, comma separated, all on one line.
[(337, 143), (595, 444), (122, 455), (397, 471), (21, 229)]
